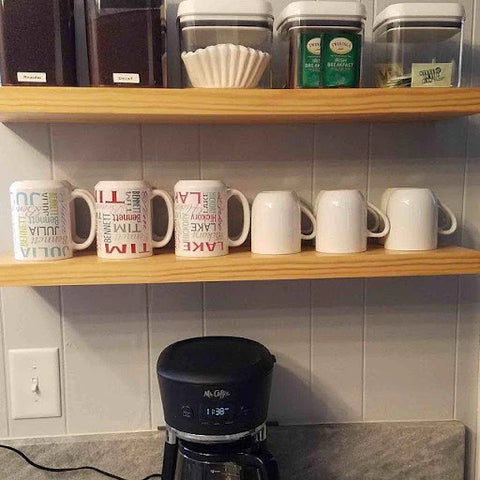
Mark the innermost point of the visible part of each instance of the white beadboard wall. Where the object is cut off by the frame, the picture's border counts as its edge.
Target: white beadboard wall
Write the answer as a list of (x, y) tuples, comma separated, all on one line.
[(347, 350)]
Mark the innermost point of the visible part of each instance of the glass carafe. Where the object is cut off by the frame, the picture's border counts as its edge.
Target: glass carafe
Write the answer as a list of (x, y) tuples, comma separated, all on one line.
[(197, 462)]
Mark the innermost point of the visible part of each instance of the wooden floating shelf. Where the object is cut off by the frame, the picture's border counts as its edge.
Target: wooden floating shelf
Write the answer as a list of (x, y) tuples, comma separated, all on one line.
[(228, 106), (87, 269)]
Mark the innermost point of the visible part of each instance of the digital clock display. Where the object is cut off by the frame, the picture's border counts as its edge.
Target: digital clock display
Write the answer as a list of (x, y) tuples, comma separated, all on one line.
[(217, 413)]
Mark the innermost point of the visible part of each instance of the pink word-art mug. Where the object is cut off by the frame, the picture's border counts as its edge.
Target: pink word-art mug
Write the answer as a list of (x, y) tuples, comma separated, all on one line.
[(43, 220), (201, 218), (124, 219)]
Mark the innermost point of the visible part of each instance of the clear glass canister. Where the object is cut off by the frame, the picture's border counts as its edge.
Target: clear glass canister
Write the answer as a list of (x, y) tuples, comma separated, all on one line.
[(325, 43), (419, 45), (37, 42), (126, 43), (226, 44)]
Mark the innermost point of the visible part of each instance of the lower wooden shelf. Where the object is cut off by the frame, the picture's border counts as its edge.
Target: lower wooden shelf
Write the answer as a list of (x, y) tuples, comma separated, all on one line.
[(87, 269)]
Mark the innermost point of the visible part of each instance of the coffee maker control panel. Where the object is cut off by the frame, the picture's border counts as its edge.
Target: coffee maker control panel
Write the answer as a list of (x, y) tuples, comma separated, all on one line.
[(217, 413)]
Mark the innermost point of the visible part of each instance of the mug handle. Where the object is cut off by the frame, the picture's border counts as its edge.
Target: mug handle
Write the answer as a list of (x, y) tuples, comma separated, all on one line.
[(88, 198), (246, 217), (306, 211), (452, 217), (169, 203), (378, 214)]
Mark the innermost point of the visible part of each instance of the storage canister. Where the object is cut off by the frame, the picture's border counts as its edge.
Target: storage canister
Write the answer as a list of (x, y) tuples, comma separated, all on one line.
[(37, 42), (419, 45), (126, 43), (325, 43), (226, 44)]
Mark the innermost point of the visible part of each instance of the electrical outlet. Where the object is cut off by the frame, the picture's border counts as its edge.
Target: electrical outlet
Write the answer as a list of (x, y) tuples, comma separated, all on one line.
[(34, 383)]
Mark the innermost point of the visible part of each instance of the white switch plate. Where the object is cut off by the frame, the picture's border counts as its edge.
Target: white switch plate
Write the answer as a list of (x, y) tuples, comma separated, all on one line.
[(34, 383)]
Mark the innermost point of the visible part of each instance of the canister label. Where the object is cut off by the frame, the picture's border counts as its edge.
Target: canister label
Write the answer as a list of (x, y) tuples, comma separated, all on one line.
[(341, 59), (126, 78), (432, 74), (32, 77)]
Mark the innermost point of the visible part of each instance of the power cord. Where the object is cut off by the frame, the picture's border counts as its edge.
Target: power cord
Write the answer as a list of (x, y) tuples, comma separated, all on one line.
[(72, 469)]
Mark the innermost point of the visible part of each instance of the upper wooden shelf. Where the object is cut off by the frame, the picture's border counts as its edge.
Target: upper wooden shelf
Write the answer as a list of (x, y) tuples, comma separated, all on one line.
[(136, 105), (87, 269)]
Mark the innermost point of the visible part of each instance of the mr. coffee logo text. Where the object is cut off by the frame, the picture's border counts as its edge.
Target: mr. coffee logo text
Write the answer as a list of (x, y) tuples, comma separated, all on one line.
[(216, 394), (341, 46)]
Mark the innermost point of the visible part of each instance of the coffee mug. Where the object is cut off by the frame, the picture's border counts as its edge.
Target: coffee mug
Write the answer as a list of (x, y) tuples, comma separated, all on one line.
[(342, 221), (124, 219), (42, 216), (276, 223), (201, 218), (413, 215)]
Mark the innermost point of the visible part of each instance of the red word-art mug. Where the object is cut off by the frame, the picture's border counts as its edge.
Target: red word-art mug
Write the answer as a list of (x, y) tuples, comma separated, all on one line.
[(201, 218), (124, 219)]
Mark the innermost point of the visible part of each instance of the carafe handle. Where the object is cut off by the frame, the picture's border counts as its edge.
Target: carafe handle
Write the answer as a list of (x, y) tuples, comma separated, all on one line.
[(263, 461)]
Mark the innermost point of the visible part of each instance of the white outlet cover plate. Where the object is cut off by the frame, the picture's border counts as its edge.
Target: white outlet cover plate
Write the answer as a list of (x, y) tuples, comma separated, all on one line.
[(25, 366)]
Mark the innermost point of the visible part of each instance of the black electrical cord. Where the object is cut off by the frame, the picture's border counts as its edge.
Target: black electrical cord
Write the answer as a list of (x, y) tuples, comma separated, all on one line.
[(72, 469)]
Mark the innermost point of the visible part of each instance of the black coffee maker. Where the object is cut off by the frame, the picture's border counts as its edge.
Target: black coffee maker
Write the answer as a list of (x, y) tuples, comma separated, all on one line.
[(215, 393)]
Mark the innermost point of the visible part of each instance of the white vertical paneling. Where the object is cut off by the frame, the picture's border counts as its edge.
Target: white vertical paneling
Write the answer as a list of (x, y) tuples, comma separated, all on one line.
[(105, 329), (259, 157), (410, 348), (30, 316), (255, 158), (337, 320), (106, 360), (3, 391), (340, 161), (276, 314), (86, 154), (24, 155), (466, 398), (170, 153), (337, 350), (33, 322), (175, 313), (411, 323)]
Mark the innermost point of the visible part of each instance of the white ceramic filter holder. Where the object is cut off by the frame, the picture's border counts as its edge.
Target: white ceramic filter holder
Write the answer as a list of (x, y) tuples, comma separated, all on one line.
[(342, 221), (276, 223), (225, 66)]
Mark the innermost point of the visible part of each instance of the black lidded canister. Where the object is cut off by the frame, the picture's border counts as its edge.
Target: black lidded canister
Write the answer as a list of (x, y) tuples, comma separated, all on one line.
[(126, 42), (37, 42), (215, 385)]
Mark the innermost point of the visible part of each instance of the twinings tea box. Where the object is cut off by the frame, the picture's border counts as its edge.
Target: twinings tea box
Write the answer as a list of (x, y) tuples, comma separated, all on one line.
[(325, 40), (341, 59)]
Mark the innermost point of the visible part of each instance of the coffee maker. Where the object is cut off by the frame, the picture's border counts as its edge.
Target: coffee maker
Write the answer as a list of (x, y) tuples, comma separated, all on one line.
[(215, 393)]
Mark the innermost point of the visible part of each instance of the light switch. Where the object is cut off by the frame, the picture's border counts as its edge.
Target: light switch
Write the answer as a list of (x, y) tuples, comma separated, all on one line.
[(34, 383)]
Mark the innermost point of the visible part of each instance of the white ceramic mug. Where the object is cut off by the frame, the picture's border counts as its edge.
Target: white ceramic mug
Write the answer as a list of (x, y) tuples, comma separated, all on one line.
[(124, 219), (413, 215), (342, 221), (42, 213), (201, 218), (276, 223)]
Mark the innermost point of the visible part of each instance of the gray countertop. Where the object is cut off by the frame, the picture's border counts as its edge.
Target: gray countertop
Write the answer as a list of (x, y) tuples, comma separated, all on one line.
[(362, 451)]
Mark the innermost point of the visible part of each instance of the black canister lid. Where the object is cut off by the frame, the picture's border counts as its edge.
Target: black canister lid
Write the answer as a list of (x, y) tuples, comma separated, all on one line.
[(212, 360)]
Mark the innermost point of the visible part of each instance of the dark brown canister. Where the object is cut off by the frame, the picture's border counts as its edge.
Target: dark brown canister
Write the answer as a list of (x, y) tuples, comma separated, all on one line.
[(37, 42), (126, 42)]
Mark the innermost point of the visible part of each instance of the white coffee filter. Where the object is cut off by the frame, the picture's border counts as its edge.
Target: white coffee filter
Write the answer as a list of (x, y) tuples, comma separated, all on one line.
[(225, 66)]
